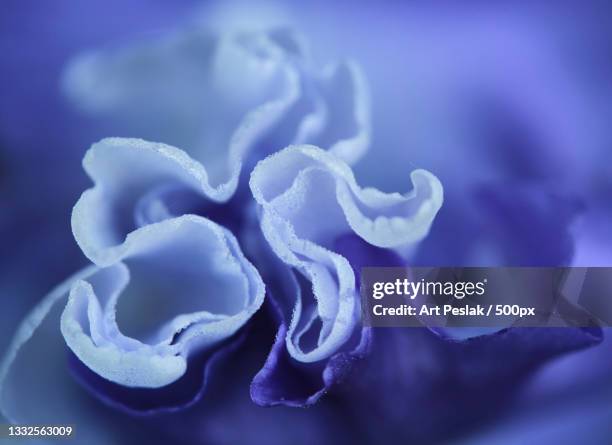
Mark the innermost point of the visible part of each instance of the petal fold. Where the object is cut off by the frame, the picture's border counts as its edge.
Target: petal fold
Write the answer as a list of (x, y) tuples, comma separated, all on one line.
[(309, 198), (187, 276)]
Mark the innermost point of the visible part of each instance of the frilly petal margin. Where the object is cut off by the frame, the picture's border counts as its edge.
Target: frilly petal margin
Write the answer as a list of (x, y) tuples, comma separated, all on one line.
[(226, 100), (285, 381), (233, 98), (282, 183), (26, 393), (309, 199), (282, 381), (129, 175), (38, 339), (182, 259)]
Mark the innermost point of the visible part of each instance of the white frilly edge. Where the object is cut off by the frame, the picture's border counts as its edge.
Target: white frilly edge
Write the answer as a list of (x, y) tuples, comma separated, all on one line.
[(388, 220)]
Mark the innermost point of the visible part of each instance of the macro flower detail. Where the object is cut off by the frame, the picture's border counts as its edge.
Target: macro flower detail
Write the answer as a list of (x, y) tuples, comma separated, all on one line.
[(131, 177), (137, 182), (224, 177), (237, 98), (231, 92), (309, 202), (164, 221), (180, 288), (189, 267)]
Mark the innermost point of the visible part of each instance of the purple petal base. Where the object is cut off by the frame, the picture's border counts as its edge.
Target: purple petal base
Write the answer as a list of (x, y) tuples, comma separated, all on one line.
[(424, 387), (285, 381)]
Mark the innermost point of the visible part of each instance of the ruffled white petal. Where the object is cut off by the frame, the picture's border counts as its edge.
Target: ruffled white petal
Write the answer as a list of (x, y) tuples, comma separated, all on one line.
[(309, 198), (125, 172), (225, 100), (197, 266), (170, 256)]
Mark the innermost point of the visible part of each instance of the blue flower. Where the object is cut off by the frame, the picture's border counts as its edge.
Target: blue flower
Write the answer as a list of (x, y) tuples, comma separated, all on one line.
[(234, 205), (166, 227), (194, 270), (309, 200)]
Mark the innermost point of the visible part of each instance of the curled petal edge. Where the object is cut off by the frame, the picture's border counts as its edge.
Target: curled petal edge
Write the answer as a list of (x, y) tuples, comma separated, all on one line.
[(280, 185), (91, 331)]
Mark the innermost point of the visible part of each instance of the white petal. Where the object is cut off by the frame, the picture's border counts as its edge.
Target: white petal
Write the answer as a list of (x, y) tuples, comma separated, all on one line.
[(309, 198)]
